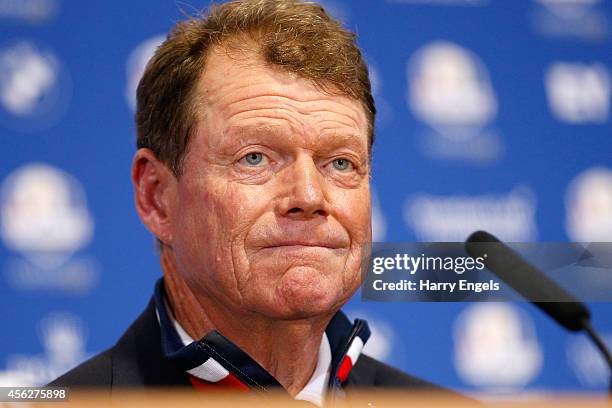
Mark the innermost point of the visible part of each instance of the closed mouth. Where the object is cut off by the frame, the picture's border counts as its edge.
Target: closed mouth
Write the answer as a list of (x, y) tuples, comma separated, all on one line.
[(301, 245)]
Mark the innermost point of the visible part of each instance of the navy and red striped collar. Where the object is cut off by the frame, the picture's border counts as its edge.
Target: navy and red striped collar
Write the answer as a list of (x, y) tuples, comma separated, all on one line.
[(215, 361)]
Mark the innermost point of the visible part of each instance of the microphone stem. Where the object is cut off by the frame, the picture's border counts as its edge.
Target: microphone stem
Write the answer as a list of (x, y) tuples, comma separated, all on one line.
[(601, 345)]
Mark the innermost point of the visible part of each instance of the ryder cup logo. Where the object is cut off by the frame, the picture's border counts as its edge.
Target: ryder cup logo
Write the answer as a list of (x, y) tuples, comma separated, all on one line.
[(569, 9), (449, 87), (63, 337), (588, 202), (136, 64), (44, 215), (583, 19), (31, 11), (579, 93), (34, 87), (496, 347), (449, 90)]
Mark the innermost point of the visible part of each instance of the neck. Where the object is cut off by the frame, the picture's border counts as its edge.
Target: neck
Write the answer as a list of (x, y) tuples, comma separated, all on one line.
[(287, 349)]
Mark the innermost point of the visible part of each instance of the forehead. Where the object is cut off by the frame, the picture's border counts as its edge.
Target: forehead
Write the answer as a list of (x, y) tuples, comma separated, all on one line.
[(235, 83)]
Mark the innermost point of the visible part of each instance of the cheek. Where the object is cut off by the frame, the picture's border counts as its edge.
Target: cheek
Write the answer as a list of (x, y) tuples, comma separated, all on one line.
[(354, 213), (213, 220), (207, 211), (200, 229), (355, 216)]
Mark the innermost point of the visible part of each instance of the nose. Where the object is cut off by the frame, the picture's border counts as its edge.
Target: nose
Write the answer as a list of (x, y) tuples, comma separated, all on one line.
[(304, 190)]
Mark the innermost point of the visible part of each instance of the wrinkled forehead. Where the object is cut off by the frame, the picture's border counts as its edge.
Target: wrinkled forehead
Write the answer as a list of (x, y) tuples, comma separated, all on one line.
[(239, 67)]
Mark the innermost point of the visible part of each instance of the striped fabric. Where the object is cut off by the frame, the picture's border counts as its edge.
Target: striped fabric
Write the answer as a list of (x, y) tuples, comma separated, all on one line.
[(215, 363)]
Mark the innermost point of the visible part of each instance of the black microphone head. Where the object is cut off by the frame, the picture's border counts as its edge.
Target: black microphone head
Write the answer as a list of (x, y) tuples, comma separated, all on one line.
[(527, 280), (481, 236)]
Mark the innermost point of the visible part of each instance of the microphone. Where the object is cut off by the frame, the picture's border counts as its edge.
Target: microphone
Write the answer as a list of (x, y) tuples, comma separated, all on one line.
[(528, 281), (535, 286)]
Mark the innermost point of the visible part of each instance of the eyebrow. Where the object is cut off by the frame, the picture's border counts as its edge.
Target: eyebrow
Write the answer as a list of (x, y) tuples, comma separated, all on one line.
[(237, 130), (334, 139), (350, 139), (243, 135)]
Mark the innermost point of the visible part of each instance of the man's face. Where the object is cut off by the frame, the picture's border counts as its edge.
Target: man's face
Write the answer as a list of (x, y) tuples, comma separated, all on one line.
[(273, 208)]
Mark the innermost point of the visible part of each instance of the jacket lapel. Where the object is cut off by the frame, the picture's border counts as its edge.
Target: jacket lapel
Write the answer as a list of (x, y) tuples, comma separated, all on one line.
[(138, 359)]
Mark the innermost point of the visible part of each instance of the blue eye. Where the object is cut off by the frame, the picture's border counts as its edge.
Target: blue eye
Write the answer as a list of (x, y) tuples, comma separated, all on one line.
[(342, 164), (253, 159)]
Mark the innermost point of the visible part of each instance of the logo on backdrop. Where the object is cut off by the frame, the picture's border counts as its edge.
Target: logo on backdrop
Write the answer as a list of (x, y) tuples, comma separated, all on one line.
[(35, 88), (496, 346), (583, 19), (136, 64), (30, 11), (44, 217), (63, 337), (449, 89), (452, 218), (588, 202), (578, 93)]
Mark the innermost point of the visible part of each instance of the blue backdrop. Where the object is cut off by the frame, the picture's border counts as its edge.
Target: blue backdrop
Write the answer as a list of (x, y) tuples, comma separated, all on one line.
[(493, 114)]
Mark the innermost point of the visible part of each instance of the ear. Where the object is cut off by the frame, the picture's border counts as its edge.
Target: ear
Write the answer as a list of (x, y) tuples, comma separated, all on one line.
[(153, 186)]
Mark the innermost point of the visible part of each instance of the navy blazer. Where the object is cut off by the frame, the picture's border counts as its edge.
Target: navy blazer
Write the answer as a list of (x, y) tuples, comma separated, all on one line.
[(137, 360)]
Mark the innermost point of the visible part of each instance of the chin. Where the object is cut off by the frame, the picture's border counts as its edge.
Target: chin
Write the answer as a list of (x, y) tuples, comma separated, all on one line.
[(309, 306), (306, 293)]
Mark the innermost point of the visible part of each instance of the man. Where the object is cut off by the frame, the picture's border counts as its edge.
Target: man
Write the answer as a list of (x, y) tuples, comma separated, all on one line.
[(255, 131)]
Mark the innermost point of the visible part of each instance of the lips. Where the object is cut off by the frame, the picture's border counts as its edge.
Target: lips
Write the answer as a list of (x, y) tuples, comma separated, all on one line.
[(302, 243), (284, 234), (297, 244)]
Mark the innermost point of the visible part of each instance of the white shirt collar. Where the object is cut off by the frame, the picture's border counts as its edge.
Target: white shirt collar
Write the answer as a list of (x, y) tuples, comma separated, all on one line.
[(316, 388)]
